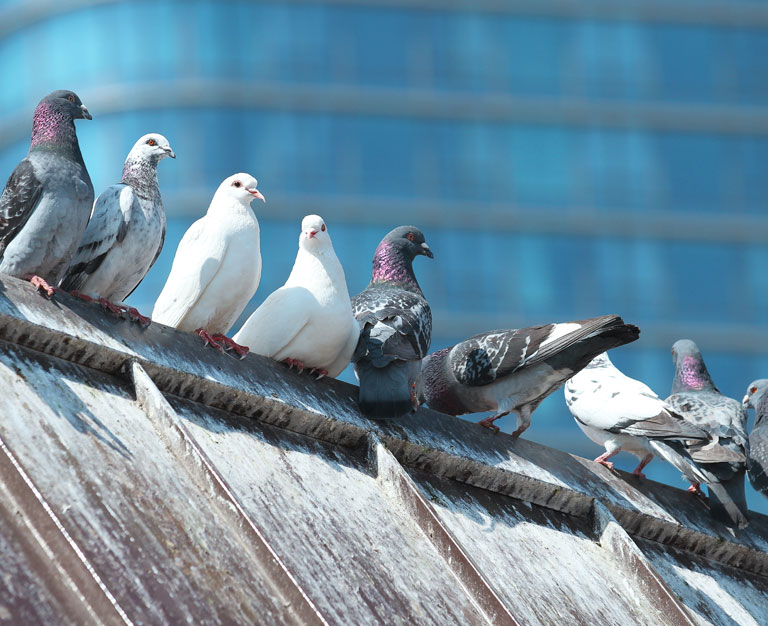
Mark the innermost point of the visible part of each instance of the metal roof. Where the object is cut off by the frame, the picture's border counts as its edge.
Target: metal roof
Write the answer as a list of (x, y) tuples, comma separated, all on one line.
[(147, 480)]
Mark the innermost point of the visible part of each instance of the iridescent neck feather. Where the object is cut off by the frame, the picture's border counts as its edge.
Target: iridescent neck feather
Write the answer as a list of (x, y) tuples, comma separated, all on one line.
[(691, 375), (391, 265), (54, 130)]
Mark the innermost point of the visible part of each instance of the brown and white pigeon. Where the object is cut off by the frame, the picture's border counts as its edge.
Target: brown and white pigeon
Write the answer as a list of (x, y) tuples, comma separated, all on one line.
[(514, 370), (47, 200), (396, 326), (757, 454), (695, 397), (308, 322)]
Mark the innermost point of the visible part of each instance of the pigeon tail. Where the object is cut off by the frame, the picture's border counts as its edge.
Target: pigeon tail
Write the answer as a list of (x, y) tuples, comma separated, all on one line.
[(727, 499), (674, 452), (384, 391)]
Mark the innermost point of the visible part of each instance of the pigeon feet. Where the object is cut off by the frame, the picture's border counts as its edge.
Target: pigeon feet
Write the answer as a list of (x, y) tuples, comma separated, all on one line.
[(207, 339), (608, 464), (318, 373), (488, 422), (291, 362), (40, 284), (81, 295), (414, 397), (111, 307), (638, 471), (695, 488), (229, 344), (135, 316)]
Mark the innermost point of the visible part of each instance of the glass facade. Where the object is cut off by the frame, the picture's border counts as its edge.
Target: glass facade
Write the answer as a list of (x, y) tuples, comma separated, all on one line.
[(563, 161)]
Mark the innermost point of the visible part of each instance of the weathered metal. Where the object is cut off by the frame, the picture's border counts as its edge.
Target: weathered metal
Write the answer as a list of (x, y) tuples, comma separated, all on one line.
[(145, 479)]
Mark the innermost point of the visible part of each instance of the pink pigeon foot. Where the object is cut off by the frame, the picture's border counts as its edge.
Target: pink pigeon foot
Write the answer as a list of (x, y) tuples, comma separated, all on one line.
[(638, 471), (318, 373), (488, 422), (80, 295), (229, 344), (111, 307), (40, 284), (414, 397), (291, 362), (695, 488), (135, 316), (207, 339)]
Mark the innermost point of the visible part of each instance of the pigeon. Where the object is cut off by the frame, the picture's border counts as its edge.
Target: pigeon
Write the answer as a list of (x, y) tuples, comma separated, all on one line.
[(514, 370), (217, 267), (757, 457), (308, 322), (621, 413), (695, 397), (47, 200), (125, 234), (395, 327)]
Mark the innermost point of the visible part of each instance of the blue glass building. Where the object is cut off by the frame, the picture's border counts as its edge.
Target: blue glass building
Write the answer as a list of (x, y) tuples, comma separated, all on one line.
[(564, 159)]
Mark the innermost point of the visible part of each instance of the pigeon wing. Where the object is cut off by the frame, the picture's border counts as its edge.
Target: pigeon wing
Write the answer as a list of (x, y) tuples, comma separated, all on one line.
[(189, 278), (20, 197), (106, 228)]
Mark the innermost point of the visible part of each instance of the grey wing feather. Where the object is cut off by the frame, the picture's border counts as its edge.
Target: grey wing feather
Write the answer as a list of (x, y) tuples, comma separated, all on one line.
[(107, 226), (18, 201), (665, 425)]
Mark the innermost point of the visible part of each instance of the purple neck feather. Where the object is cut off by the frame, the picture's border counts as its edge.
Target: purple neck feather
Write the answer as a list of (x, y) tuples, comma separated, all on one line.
[(54, 130), (436, 388), (391, 266), (691, 374), (141, 175)]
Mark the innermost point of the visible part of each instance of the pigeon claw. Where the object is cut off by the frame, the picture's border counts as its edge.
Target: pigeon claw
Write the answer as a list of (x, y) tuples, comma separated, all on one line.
[(80, 295), (318, 373), (695, 488), (135, 316), (41, 285), (291, 362), (488, 422), (229, 344), (608, 464), (111, 307), (207, 339)]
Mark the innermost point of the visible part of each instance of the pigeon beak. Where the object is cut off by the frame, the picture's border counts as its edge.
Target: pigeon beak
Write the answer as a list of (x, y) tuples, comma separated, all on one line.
[(256, 194), (170, 153), (745, 401), (85, 113), (426, 251), (311, 233)]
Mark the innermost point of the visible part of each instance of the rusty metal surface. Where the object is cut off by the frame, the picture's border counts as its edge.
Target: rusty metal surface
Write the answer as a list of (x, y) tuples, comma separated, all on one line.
[(145, 479)]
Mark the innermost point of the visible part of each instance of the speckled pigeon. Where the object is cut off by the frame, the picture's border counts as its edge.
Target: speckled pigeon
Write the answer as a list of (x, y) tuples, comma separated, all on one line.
[(621, 413), (126, 231), (757, 457), (217, 267), (695, 397), (308, 322), (47, 200), (514, 370), (396, 326)]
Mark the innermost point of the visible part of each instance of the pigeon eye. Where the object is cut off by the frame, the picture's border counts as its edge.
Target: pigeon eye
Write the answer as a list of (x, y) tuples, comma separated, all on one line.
[(71, 98), (237, 183), (151, 142), (410, 236), (322, 228), (753, 390)]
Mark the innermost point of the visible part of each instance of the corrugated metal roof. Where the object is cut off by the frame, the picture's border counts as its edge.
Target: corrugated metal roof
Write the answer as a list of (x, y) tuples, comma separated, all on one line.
[(147, 480)]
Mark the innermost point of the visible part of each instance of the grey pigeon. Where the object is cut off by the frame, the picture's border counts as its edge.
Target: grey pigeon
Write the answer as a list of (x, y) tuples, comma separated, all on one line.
[(126, 231), (757, 457), (621, 413), (47, 200), (396, 326), (514, 370), (695, 397)]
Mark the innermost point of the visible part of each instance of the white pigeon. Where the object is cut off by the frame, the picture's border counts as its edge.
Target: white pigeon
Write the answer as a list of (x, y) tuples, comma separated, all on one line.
[(217, 267), (621, 413), (125, 234), (308, 322)]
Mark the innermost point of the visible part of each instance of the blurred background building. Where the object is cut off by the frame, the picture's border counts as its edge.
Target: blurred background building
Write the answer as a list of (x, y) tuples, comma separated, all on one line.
[(565, 159)]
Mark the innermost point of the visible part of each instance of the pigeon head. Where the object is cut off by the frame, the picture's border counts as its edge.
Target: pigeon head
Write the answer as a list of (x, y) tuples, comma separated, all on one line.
[(152, 147), (393, 260), (241, 188), (314, 233), (690, 371), (755, 393), (53, 122)]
